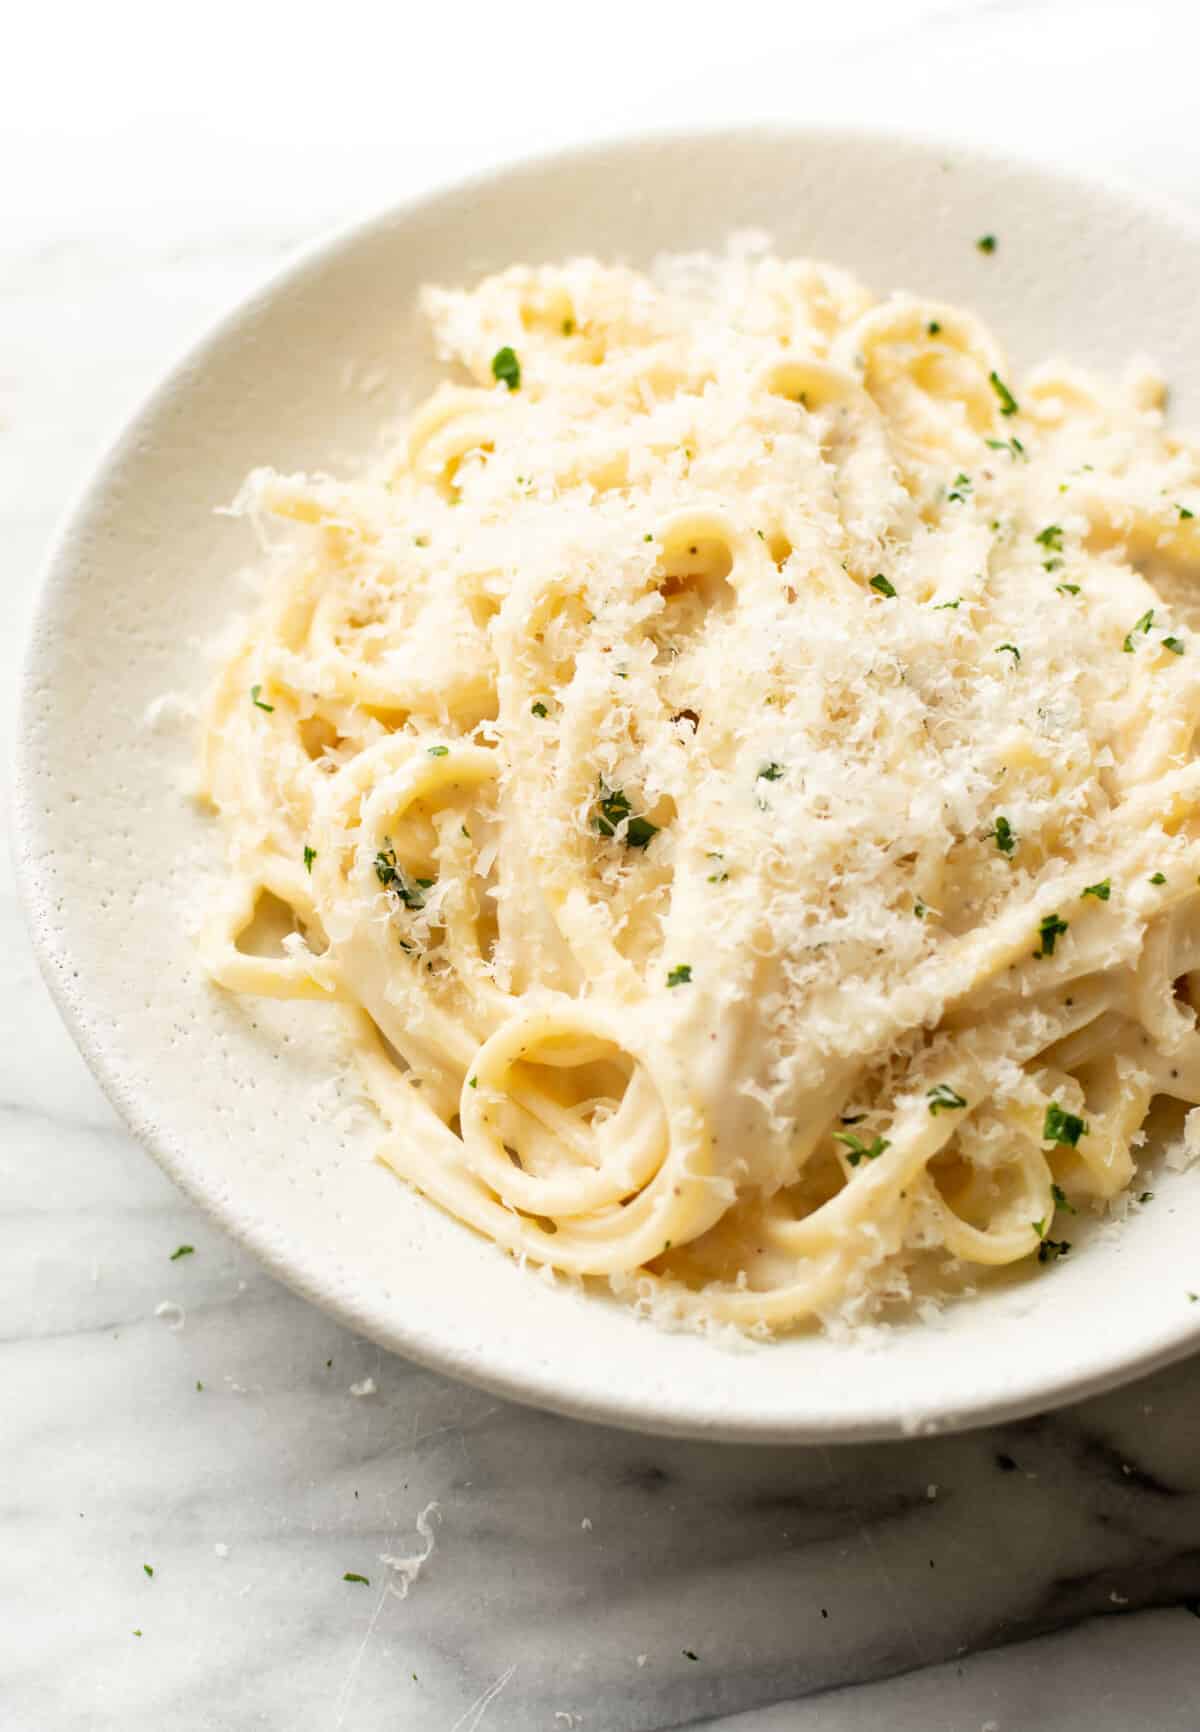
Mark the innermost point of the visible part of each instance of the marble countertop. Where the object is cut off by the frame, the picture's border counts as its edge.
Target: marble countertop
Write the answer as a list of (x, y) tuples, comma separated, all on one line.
[(192, 1459)]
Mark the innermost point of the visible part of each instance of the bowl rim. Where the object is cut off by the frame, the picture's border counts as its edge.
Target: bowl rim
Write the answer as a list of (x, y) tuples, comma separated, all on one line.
[(666, 1414)]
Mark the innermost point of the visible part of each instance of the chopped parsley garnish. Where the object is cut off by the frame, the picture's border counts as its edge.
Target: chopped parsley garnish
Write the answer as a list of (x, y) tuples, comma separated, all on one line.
[(613, 809), (961, 488), (1159, 878), (770, 773), (437, 751), (1050, 1250), (880, 583), (182, 1251), (859, 1151), (1184, 514), (1143, 625), (352, 1575), (538, 709), (1146, 1197), (1012, 649), (472, 1082), (257, 701), (938, 606), (149, 1569), (393, 877), (942, 1098), (1101, 891), (506, 369), (1014, 447), (1008, 403), (680, 974), (1050, 930), (934, 328), (1062, 1201), (1051, 537), (720, 876), (1174, 644), (1060, 1126), (919, 909), (1006, 841), (1067, 588), (310, 855), (986, 243), (1051, 564)]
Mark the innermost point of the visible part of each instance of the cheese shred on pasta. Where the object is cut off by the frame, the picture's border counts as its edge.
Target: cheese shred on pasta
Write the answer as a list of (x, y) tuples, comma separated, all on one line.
[(733, 761)]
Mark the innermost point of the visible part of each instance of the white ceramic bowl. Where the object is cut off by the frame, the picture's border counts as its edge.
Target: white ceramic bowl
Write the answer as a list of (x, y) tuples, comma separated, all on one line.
[(109, 851)]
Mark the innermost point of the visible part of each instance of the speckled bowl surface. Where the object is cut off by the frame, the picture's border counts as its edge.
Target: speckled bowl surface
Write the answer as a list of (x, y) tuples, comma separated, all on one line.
[(112, 855)]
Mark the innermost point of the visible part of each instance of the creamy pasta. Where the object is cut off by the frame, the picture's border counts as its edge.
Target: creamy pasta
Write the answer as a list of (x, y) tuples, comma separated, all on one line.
[(732, 761)]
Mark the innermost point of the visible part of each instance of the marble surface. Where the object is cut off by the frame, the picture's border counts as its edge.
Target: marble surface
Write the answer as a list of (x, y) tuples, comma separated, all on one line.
[(190, 1418)]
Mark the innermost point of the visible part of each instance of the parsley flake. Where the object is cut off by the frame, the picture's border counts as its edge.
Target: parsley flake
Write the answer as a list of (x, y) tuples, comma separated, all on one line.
[(680, 974), (859, 1151), (1159, 878), (770, 773), (1050, 929), (149, 1569), (506, 369), (352, 1575), (1184, 514), (1014, 447), (1067, 588), (1174, 644), (1101, 891), (939, 606), (1060, 1126), (437, 751), (942, 1098), (1008, 403), (538, 709), (394, 878), (613, 810), (1050, 1250), (879, 582), (1051, 537), (257, 701), (986, 244), (1143, 625), (182, 1251), (1006, 841), (962, 487), (1012, 649), (933, 327), (1062, 1201), (310, 855)]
